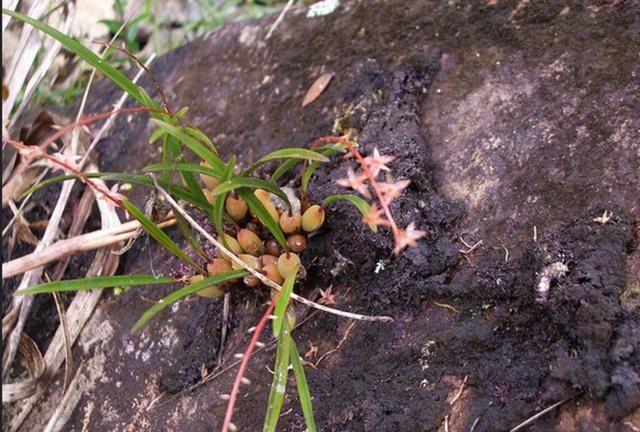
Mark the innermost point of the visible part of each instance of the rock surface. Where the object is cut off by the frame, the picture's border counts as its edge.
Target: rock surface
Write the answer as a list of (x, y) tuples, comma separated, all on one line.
[(509, 119)]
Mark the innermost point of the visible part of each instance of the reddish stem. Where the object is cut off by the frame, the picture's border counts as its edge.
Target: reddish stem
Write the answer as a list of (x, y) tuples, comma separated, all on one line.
[(372, 180), (92, 118), (107, 193), (245, 363)]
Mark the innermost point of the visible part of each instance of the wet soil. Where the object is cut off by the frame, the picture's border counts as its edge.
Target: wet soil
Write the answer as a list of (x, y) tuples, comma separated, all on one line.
[(509, 120)]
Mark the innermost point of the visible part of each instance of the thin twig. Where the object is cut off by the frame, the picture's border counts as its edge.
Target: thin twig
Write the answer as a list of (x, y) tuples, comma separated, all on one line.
[(474, 424), (265, 280), (279, 19), (337, 347), (457, 396), (535, 417), (470, 248), (446, 306)]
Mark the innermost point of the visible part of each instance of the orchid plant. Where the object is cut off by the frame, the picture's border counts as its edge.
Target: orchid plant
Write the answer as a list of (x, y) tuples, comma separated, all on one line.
[(179, 136)]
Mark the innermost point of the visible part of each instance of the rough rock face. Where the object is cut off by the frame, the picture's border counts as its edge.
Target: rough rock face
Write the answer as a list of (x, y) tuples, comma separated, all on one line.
[(509, 119)]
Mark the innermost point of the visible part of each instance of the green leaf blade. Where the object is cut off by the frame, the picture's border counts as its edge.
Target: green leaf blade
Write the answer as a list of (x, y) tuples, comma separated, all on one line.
[(288, 153), (252, 183), (159, 235), (185, 291), (95, 283), (363, 206), (283, 302), (263, 215), (193, 144), (279, 384), (303, 388)]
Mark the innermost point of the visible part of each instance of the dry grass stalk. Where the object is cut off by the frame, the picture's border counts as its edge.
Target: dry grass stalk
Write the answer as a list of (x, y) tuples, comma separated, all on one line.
[(14, 322), (75, 245)]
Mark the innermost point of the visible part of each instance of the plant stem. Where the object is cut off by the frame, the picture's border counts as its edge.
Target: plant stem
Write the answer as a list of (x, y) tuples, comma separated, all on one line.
[(245, 363), (372, 179)]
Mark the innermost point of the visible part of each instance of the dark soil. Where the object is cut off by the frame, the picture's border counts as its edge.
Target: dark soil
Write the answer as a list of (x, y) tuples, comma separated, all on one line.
[(504, 118)]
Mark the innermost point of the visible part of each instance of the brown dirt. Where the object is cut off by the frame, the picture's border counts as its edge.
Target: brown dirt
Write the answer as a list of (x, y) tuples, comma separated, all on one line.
[(504, 118)]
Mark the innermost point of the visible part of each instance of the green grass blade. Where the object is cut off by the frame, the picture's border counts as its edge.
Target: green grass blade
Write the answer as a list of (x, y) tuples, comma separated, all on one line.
[(217, 216), (194, 145), (117, 77), (159, 235), (94, 283), (285, 167), (185, 291), (303, 388), (283, 302), (171, 152), (252, 183), (279, 384), (188, 234), (325, 150), (263, 215), (185, 167), (306, 178), (177, 190), (363, 207), (45, 183), (197, 133), (192, 184), (289, 153)]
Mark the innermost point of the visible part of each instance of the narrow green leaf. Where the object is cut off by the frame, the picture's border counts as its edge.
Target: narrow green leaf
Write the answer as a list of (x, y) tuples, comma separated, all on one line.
[(185, 291), (288, 153), (193, 185), (263, 215), (159, 235), (279, 384), (303, 388), (197, 133), (217, 216), (253, 183), (283, 302), (171, 152), (94, 283), (188, 234), (182, 112), (177, 190), (117, 77), (284, 168), (306, 178), (194, 145), (185, 167), (45, 183), (159, 133), (325, 150), (360, 204)]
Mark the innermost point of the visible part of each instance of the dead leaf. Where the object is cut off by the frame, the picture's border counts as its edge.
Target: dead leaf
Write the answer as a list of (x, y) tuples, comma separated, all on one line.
[(42, 126), (317, 88)]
